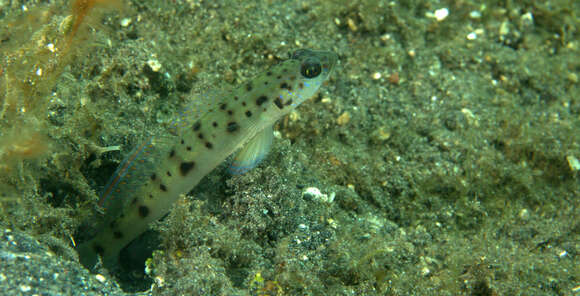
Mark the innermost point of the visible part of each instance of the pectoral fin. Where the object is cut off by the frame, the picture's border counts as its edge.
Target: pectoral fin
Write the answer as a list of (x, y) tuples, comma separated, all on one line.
[(253, 152)]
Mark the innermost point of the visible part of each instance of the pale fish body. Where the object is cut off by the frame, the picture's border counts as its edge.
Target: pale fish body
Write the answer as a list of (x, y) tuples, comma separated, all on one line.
[(155, 174)]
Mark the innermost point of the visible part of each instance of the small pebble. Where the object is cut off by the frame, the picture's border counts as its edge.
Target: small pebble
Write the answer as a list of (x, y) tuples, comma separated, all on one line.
[(344, 118), (125, 22), (154, 64), (573, 162), (441, 14), (476, 14), (100, 278)]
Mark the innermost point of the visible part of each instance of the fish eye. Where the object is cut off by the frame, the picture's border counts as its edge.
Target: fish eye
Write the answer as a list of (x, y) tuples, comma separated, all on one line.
[(311, 68)]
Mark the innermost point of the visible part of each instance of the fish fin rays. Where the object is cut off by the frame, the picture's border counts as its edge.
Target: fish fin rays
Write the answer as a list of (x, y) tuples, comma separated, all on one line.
[(253, 152)]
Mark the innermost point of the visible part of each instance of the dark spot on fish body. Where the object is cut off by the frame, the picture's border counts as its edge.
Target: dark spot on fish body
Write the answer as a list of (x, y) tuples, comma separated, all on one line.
[(261, 100), (248, 113), (223, 106), (230, 112), (285, 85), (168, 174), (163, 187), (232, 127), (186, 167), (249, 86), (118, 234), (188, 148), (301, 85), (153, 177), (172, 153), (279, 103), (215, 124), (269, 73), (134, 201), (143, 211), (196, 126), (244, 104), (209, 145), (200, 136)]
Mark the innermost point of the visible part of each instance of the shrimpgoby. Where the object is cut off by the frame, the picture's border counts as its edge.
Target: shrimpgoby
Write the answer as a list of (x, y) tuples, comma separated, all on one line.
[(211, 127)]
